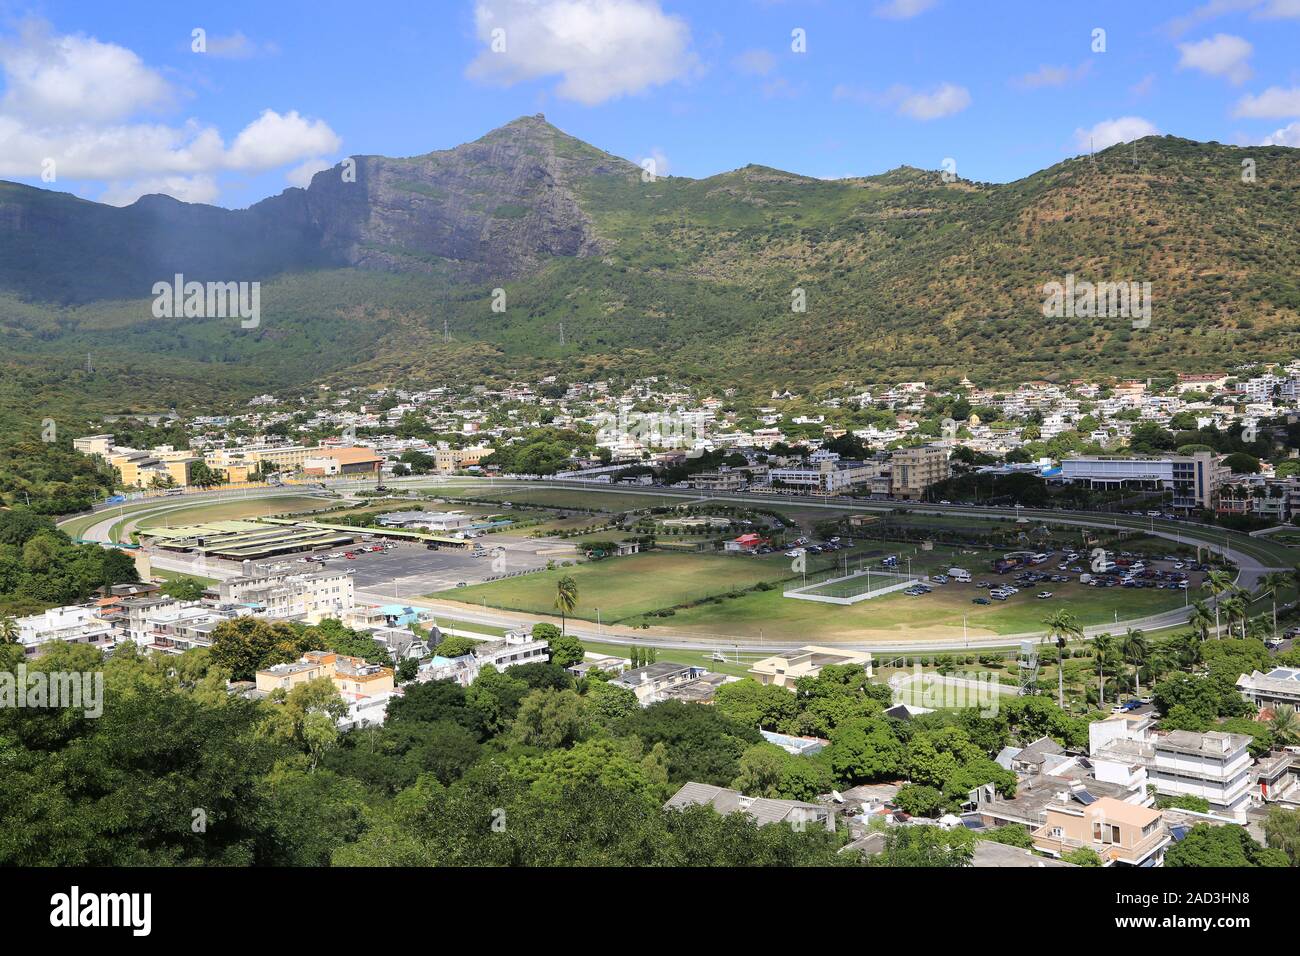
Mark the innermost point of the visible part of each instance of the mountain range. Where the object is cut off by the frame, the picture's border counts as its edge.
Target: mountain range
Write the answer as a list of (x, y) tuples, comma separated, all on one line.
[(528, 251)]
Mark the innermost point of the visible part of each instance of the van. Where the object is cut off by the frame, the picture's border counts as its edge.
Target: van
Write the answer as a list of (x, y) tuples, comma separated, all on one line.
[(959, 574)]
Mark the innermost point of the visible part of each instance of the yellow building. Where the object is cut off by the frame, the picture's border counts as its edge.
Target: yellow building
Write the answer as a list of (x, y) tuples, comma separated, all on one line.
[(353, 676), (915, 469), (139, 469), (447, 460), (782, 670), (1119, 833)]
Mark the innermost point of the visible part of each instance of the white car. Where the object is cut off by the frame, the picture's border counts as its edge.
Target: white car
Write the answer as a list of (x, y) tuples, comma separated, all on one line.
[(1043, 595)]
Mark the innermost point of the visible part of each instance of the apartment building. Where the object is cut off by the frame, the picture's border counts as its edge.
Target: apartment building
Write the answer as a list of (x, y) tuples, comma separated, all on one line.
[(448, 460), (515, 648), (825, 475), (302, 596), (1214, 766), (354, 677), (180, 627), (72, 624), (913, 470), (782, 670), (1281, 685), (1120, 833), (724, 479)]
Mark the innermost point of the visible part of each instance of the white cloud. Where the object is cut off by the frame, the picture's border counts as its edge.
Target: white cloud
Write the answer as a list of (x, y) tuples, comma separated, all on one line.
[(201, 189), (902, 9), (1052, 76), (238, 47), (1221, 55), (945, 100), (1280, 10), (78, 101), (1112, 131), (1258, 9), (74, 78), (659, 159), (272, 140), (1143, 86), (1208, 11), (1286, 136), (600, 49), (755, 63), (301, 175), (1273, 103)]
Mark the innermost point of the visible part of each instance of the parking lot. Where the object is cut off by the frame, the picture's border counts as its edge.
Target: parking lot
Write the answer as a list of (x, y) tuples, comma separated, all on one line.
[(411, 570)]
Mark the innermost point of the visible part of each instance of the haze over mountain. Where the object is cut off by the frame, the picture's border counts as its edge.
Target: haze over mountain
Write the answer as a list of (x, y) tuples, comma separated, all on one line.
[(904, 274)]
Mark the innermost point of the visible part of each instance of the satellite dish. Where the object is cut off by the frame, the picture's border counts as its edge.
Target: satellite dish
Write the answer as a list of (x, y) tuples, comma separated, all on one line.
[(836, 796)]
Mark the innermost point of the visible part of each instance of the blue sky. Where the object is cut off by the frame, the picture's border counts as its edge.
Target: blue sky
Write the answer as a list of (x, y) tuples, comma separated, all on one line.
[(110, 100)]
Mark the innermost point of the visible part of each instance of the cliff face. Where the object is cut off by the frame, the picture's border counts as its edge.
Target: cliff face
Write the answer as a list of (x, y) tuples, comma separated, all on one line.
[(498, 206), (495, 208)]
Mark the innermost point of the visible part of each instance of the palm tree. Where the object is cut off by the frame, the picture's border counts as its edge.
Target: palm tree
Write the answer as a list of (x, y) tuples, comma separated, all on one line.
[(1234, 607), (8, 630), (1135, 649), (1284, 726), (1217, 582), (1271, 583), (566, 598), (1102, 646), (1061, 626), (1186, 646), (1201, 620)]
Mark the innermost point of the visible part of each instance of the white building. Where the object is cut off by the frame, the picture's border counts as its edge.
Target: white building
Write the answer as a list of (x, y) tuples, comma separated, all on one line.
[(310, 597), (73, 624), (1214, 766), (1193, 479)]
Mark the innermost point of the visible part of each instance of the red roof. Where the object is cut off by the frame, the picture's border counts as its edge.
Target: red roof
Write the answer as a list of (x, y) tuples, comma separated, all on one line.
[(749, 539)]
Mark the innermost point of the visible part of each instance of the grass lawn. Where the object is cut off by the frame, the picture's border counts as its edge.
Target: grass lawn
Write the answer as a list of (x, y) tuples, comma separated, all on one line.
[(228, 510), (563, 498), (700, 658), (629, 586), (902, 617), (487, 630)]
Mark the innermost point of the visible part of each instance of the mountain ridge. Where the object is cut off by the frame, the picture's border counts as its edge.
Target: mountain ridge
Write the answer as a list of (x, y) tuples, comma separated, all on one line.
[(391, 277)]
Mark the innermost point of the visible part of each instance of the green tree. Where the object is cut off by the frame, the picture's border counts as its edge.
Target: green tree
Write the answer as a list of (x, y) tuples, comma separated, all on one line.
[(1082, 856), (1219, 846), (927, 847), (453, 645), (1217, 582), (1061, 626), (920, 800), (184, 588), (549, 718), (1282, 832), (566, 598), (566, 651), (1135, 648)]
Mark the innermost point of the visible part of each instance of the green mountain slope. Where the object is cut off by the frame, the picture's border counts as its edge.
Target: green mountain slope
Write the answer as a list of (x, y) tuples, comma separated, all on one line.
[(903, 274)]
